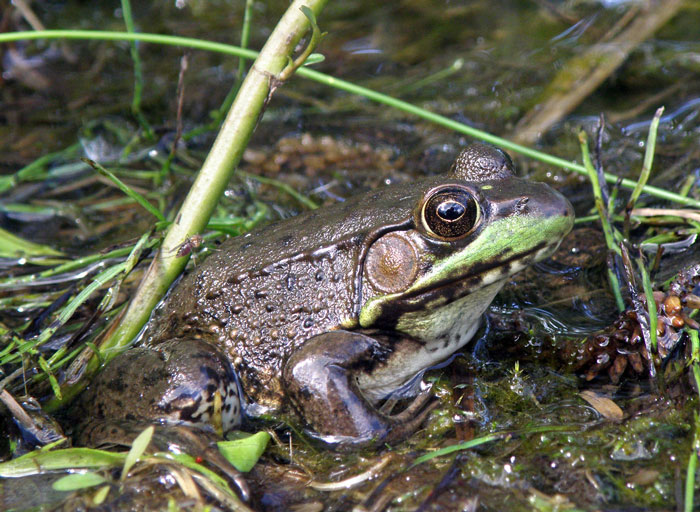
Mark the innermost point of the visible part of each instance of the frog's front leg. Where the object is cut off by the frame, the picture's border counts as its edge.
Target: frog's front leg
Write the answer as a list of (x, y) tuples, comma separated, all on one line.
[(320, 380)]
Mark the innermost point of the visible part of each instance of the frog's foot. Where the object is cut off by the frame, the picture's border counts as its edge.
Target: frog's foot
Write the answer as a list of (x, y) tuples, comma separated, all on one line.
[(418, 406), (180, 381), (411, 418), (175, 438), (320, 379)]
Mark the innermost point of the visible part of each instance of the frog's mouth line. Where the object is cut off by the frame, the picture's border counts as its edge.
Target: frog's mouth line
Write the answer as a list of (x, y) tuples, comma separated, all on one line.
[(479, 273), (450, 290)]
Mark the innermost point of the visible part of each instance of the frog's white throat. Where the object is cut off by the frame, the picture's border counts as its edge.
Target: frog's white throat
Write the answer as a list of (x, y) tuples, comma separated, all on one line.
[(437, 334)]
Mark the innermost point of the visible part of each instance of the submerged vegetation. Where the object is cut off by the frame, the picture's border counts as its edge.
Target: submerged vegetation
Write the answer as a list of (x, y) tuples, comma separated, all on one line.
[(511, 419)]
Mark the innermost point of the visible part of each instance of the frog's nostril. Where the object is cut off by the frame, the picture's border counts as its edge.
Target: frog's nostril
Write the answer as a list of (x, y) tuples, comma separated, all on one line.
[(568, 209)]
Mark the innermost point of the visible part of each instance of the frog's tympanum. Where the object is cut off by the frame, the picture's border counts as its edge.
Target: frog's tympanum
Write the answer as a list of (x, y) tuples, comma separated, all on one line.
[(331, 312)]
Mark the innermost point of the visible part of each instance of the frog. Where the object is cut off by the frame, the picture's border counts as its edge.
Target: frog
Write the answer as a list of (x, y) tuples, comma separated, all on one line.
[(334, 315)]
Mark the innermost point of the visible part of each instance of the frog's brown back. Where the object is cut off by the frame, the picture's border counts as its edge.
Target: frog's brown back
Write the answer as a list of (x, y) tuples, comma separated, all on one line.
[(262, 295)]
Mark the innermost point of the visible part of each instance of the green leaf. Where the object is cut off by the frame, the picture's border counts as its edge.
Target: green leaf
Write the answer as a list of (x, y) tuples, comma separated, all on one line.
[(38, 461), (78, 481), (137, 448), (52, 378), (12, 246), (100, 495), (7, 182), (314, 58), (244, 453), (51, 446)]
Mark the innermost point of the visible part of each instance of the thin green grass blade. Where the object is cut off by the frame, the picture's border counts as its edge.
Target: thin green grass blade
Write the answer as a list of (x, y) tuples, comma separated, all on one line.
[(100, 280), (456, 447), (282, 187), (648, 158), (651, 303), (604, 219), (127, 190), (37, 169), (646, 169), (689, 505), (138, 72), (110, 297), (52, 378), (245, 40), (72, 265)]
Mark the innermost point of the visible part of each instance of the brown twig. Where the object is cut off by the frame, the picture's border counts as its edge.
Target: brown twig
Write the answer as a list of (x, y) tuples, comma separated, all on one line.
[(584, 73), (180, 101)]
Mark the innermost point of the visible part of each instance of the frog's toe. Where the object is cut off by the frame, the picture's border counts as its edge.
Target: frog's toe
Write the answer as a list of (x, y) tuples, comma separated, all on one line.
[(420, 403), (409, 420)]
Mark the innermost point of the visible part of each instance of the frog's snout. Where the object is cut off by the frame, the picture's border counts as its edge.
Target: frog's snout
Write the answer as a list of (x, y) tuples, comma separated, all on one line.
[(548, 204), (564, 209)]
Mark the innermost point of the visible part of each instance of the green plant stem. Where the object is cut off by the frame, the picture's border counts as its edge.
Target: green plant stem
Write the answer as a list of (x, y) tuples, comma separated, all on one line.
[(487, 137), (651, 303), (457, 447), (438, 76), (99, 35), (604, 220), (126, 189), (322, 78), (138, 71), (690, 481), (211, 180), (245, 36), (245, 39)]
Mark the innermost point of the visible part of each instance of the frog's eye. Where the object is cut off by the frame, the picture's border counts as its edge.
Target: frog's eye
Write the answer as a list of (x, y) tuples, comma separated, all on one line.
[(450, 212)]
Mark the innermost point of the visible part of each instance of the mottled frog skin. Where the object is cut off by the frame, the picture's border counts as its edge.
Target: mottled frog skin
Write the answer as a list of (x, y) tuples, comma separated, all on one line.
[(327, 313)]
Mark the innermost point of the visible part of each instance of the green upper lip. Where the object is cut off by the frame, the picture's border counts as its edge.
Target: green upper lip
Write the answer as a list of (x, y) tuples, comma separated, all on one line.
[(477, 273)]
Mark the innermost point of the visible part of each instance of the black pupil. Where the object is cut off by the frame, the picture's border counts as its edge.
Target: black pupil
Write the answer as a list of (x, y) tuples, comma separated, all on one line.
[(450, 210)]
